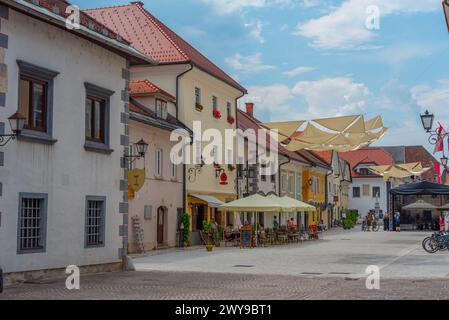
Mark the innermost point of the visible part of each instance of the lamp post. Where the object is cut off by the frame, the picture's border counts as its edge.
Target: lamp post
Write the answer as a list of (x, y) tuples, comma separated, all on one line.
[(16, 122), (427, 120)]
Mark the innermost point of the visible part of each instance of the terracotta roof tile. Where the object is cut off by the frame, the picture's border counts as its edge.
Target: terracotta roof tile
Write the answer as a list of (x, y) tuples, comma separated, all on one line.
[(146, 87), (59, 7), (376, 155), (420, 154), (325, 155), (154, 38)]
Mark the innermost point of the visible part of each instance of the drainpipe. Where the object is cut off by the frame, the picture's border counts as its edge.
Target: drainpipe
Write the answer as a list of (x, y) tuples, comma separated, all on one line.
[(184, 183), (236, 127), (279, 173), (177, 88)]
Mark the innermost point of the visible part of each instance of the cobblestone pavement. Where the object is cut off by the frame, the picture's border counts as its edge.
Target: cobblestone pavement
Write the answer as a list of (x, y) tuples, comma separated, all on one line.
[(398, 255), (212, 286), (333, 268)]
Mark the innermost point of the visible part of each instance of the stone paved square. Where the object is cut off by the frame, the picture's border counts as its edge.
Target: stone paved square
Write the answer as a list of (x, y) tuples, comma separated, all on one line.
[(331, 268)]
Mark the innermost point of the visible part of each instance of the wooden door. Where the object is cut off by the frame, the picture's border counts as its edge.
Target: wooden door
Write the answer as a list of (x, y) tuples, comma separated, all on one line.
[(160, 225)]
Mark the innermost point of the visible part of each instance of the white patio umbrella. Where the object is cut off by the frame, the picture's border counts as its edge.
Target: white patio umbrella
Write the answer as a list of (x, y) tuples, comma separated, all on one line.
[(420, 205)]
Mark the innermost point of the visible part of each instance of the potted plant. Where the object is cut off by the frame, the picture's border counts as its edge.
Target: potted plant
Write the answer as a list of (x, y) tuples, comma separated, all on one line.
[(231, 120), (217, 114), (185, 220), (207, 227), (217, 165), (218, 236), (231, 167), (198, 107)]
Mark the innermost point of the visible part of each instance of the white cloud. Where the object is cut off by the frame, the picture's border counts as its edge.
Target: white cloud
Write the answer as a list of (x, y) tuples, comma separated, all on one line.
[(311, 3), (345, 26), (256, 29), (272, 99), (435, 98), (247, 64), (297, 71), (333, 96), (224, 7)]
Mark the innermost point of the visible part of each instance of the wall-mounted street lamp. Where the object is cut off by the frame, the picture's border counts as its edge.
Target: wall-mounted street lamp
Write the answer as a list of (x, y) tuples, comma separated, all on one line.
[(427, 121), (141, 148), (16, 122)]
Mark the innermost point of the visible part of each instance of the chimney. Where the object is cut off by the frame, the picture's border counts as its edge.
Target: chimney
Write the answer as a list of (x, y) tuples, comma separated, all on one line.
[(250, 108)]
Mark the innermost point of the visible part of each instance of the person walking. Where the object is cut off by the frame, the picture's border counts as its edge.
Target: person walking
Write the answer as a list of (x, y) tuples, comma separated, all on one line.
[(369, 221), (398, 222), (442, 223), (386, 222)]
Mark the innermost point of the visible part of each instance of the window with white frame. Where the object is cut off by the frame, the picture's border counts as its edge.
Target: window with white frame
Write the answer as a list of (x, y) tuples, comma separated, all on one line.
[(214, 103), (284, 182), (197, 95), (228, 110), (291, 183), (174, 171), (158, 163), (161, 109), (95, 221), (32, 222)]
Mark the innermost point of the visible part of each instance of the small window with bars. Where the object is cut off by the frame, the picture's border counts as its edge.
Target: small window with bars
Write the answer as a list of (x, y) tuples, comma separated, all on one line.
[(32, 223), (95, 221)]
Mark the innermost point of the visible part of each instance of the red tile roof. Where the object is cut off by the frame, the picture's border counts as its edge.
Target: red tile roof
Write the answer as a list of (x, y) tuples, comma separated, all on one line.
[(140, 88), (154, 38), (59, 7), (376, 155), (134, 108), (325, 155), (420, 154)]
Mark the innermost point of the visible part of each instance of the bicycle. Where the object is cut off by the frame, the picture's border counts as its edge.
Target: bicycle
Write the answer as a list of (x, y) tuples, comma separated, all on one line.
[(437, 242)]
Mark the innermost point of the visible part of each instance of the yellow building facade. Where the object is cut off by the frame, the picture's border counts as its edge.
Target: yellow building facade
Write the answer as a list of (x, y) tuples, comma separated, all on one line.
[(314, 192)]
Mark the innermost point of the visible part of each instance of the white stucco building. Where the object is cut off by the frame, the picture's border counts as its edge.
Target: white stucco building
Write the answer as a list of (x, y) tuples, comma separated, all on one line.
[(63, 197), (367, 188)]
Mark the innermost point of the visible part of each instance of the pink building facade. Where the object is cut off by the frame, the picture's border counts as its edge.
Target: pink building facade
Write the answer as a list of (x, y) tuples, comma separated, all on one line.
[(156, 208)]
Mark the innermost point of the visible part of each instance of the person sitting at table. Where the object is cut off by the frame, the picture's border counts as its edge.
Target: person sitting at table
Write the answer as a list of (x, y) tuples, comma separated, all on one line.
[(292, 224), (230, 234), (275, 223)]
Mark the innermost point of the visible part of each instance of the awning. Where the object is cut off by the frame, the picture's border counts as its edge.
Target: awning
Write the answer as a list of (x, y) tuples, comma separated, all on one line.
[(211, 201)]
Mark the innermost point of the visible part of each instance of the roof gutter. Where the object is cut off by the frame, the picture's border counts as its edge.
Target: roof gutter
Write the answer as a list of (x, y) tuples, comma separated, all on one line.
[(59, 21)]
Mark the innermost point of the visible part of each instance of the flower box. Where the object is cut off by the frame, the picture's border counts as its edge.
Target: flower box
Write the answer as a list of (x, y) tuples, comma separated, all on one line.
[(231, 120), (198, 107), (217, 114)]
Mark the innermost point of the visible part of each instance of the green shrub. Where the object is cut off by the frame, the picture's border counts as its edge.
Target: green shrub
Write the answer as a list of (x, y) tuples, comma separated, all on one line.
[(348, 224), (185, 219)]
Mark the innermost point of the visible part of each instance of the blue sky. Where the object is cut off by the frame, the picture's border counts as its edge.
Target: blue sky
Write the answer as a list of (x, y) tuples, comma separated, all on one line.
[(306, 59)]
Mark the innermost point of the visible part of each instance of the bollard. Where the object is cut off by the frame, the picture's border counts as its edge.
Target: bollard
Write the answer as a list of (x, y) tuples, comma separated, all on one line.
[(1, 280)]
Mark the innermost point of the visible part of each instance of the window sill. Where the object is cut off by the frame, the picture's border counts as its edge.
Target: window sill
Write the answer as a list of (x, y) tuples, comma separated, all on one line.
[(97, 147), (158, 178), (37, 137), (94, 246), (31, 251)]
